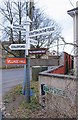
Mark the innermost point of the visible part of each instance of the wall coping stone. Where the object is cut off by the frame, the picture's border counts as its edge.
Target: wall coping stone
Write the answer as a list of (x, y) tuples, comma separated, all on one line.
[(47, 73)]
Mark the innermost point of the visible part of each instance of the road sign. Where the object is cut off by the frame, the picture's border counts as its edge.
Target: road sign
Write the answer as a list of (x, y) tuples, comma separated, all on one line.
[(50, 28), (18, 47), (38, 51), (16, 61), (43, 33), (17, 27), (33, 42)]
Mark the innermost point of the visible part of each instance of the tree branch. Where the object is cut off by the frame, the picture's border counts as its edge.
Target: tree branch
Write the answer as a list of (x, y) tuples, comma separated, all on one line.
[(8, 51)]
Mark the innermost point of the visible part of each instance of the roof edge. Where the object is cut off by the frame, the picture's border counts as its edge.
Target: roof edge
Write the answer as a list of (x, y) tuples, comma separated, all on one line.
[(72, 11)]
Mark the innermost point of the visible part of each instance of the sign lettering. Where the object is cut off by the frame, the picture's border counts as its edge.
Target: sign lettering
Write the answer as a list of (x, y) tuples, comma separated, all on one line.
[(18, 46), (16, 61), (53, 90), (38, 51)]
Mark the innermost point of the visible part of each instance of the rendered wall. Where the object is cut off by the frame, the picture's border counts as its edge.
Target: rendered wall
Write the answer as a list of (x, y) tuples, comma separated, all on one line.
[(65, 104)]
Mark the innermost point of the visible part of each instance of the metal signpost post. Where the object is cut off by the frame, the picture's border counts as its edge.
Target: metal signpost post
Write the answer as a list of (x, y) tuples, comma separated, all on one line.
[(26, 84)]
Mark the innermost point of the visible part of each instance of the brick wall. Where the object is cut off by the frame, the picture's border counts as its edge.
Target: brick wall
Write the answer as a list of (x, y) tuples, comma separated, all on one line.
[(58, 70), (65, 64)]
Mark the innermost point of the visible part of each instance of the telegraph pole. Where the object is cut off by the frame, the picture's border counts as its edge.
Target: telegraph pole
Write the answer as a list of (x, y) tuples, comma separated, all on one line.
[(31, 11)]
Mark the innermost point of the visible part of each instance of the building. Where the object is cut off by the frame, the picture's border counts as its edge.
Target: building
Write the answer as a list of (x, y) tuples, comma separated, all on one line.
[(74, 14)]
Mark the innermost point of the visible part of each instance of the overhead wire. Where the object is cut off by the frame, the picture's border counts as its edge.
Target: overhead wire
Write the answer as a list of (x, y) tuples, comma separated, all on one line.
[(71, 3)]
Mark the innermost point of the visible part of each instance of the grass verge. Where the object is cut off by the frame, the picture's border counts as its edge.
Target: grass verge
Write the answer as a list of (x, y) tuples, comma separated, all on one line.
[(16, 105)]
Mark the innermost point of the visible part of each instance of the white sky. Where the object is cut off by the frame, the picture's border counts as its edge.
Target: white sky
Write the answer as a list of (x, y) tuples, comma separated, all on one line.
[(57, 9)]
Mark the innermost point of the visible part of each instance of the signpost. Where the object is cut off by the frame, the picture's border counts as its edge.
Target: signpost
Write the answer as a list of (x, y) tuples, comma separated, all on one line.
[(26, 47), (16, 61), (18, 47), (41, 30), (42, 33), (17, 27), (38, 51)]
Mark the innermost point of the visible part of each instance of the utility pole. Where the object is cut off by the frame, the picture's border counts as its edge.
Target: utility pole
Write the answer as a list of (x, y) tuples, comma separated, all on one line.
[(19, 8), (31, 11)]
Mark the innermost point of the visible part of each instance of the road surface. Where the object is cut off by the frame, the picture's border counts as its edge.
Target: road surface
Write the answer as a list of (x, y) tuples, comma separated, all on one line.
[(11, 78), (8, 79)]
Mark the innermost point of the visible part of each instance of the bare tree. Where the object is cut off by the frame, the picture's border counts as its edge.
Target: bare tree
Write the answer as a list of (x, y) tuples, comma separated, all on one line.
[(15, 13)]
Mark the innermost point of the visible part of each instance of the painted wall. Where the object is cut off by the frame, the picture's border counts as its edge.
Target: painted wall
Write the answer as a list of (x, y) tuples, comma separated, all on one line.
[(67, 64), (59, 70)]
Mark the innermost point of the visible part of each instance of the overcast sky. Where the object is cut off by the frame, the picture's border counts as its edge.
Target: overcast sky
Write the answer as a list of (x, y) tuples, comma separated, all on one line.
[(57, 9)]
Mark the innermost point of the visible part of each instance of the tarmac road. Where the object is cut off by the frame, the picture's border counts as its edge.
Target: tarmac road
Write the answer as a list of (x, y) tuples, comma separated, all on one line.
[(11, 78), (8, 79)]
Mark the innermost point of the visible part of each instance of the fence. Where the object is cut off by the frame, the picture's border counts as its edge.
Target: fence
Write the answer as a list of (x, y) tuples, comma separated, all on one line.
[(53, 61)]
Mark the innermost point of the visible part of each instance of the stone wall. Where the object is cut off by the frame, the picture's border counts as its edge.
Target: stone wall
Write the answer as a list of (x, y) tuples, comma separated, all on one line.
[(59, 94)]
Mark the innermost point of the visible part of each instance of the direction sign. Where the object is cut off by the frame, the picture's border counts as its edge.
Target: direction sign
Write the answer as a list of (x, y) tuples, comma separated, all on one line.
[(42, 33), (50, 28), (16, 61), (17, 27), (18, 47), (38, 51), (33, 42)]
